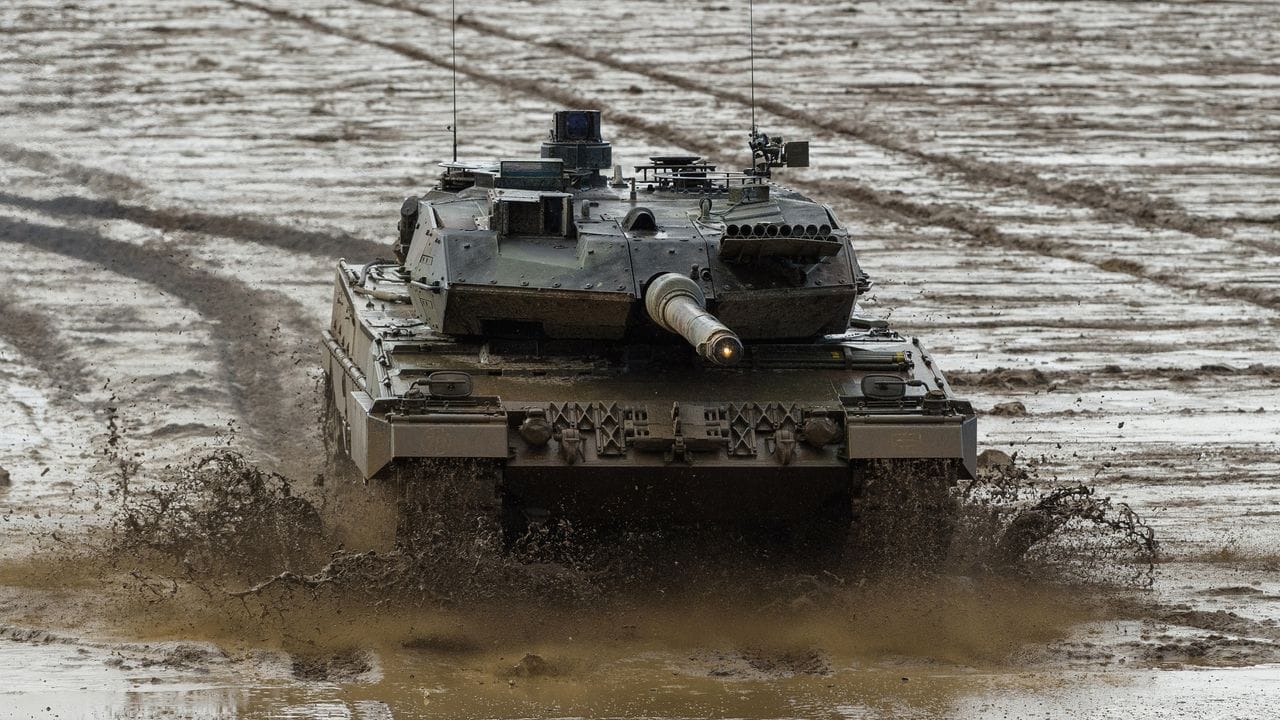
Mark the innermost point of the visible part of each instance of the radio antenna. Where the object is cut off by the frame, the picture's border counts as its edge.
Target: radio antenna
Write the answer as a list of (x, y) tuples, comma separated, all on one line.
[(453, 70), (751, 32)]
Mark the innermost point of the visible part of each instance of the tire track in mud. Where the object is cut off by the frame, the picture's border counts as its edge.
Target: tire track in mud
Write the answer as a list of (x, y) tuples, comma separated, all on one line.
[(32, 334), (229, 226), (103, 181), (1038, 379), (28, 331), (116, 185), (972, 223), (985, 231), (245, 347), (1135, 207)]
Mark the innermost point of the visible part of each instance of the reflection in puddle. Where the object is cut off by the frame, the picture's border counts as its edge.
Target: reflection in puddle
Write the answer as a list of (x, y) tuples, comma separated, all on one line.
[(65, 681)]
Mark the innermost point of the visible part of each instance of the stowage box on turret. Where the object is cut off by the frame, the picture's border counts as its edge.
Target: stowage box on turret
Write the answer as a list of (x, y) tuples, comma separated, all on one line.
[(678, 344)]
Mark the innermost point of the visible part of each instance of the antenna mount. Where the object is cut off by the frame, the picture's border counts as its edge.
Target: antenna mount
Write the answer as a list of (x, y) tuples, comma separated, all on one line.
[(768, 153)]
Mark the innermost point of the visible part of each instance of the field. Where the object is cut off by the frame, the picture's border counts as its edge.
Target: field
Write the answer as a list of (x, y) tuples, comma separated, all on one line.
[(1075, 204)]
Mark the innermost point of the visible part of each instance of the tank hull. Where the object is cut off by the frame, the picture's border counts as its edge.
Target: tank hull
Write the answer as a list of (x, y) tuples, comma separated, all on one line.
[(598, 429)]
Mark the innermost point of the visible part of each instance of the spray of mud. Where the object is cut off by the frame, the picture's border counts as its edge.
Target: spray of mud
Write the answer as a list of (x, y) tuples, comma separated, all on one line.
[(1012, 521), (219, 518), (217, 515), (218, 549)]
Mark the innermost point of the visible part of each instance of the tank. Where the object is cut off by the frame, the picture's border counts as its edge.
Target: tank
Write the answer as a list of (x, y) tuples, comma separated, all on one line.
[(678, 344)]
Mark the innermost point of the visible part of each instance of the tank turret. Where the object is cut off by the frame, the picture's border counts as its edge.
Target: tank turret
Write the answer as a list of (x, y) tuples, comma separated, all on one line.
[(549, 248)]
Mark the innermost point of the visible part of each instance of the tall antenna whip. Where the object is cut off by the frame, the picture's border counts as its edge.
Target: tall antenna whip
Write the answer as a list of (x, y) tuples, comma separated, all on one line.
[(751, 22), (453, 69)]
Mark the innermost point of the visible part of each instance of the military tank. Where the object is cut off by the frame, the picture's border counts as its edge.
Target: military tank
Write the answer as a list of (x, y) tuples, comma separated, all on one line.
[(674, 345)]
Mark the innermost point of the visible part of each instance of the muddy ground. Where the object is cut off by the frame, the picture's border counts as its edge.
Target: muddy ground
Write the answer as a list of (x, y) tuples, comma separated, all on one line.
[(1074, 204)]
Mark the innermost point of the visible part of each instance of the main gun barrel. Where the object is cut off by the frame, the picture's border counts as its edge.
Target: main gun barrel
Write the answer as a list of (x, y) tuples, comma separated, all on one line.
[(677, 304)]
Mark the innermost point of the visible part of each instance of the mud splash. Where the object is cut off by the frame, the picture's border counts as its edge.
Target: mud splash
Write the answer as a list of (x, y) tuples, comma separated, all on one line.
[(215, 516), (1012, 521), (249, 573), (220, 519)]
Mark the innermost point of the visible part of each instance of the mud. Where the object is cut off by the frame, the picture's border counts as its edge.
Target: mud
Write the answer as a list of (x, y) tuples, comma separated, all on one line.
[(1072, 204), (294, 239), (247, 334), (26, 330), (217, 515)]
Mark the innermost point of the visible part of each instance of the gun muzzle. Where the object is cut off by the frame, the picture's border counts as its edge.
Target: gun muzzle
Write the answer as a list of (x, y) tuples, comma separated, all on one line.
[(677, 304)]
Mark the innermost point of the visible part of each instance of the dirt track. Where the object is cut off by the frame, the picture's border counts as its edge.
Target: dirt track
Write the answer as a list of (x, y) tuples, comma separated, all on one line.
[(1074, 204)]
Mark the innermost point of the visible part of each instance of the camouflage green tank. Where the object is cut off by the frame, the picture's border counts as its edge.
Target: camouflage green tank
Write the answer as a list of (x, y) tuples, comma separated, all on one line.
[(678, 344)]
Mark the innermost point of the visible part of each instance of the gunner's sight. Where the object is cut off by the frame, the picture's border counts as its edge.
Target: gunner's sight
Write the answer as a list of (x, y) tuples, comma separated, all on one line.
[(575, 139)]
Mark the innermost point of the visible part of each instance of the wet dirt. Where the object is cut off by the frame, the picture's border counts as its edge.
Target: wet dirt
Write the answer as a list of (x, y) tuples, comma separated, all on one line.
[(173, 574), (1072, 204), (679, 654)]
